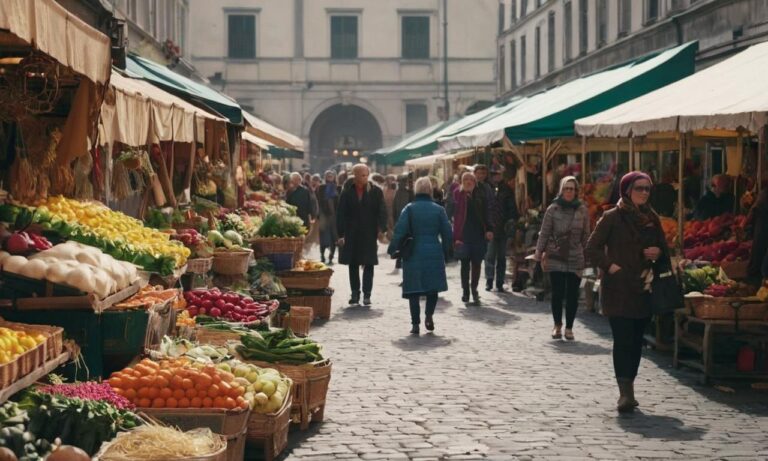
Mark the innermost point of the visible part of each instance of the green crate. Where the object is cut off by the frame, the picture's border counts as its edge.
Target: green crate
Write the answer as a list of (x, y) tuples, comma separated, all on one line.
[(108, 341)]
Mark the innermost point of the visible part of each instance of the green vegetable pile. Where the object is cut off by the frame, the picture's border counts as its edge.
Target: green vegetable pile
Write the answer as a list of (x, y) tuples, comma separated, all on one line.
[(279, 225), (30, 427), (700, 278), (279, 346)]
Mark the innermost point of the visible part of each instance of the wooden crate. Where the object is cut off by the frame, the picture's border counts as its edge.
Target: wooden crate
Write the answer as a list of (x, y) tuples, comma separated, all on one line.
[(320, 304), (82, 302), (270, 431)]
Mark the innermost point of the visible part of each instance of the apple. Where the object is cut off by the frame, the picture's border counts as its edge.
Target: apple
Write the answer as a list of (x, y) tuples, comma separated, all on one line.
[(192, 312), (207, 304), (215, 312), (220, 303), (202, 311)]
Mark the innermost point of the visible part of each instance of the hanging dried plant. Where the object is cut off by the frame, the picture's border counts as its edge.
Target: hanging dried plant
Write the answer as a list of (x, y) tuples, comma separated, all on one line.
[(22, 178), (83, 186), (63, 180), (121, 182)]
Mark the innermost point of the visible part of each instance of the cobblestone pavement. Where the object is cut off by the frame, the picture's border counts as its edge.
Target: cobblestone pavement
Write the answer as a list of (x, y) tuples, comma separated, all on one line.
[(491, 384)]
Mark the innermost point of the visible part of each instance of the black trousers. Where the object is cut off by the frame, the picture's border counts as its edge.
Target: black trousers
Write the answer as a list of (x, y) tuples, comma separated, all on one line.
[(429, 309), (332, 247), (627, 345), (466, 264), (354, 278), (565, 287)]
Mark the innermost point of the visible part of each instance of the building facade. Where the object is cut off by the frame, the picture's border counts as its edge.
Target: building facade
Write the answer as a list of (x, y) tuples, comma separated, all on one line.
[(347, 75), (542, 43)]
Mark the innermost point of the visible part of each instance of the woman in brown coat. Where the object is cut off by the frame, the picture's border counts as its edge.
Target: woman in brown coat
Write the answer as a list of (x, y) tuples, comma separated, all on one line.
[(627, 242)]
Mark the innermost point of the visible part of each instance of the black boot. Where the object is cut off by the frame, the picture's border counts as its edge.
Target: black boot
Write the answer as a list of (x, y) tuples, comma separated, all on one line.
[(624, 405), (414, 328), (429, 323), (475, 296), (355, 298), (488, 284), (465, 295)]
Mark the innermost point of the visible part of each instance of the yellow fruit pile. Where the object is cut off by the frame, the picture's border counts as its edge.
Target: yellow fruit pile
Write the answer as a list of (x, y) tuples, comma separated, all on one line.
[(13, 343), (309, 265), (115, 226)]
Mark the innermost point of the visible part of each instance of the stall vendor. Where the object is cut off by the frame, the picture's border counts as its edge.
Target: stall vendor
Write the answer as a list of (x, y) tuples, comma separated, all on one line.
[(717, 201)]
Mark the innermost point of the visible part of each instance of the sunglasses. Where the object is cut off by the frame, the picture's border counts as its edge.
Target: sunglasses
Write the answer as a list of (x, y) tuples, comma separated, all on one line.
[(646, 189), (568, 188)]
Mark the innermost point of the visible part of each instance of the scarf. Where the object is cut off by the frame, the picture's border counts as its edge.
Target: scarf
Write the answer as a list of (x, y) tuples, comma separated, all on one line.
[(575, 203), (641, 218), (330, 190)]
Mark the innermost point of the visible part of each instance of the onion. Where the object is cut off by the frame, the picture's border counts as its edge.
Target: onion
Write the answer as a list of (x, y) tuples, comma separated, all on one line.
[(6, 454), (68, 453)]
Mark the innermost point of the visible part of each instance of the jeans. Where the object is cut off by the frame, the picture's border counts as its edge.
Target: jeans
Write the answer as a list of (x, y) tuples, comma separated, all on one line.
[(565, 287), (429, 309), (354, 279), (627, 345), (496, 261), (465, 269)]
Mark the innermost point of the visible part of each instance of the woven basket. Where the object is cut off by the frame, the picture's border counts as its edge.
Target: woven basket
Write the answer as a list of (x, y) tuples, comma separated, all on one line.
[(298, 320), (306, 280), (231, 262), (264, 246), (199, 265), (215, 337), (9, 373), (727, 309), (271, 430), (54, 344), (320, 304), (309, 390)]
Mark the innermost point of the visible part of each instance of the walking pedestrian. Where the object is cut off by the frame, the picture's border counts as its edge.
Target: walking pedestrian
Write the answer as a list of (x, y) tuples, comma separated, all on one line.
[(471, 232), (403, 196), (560, 251), (424, 270), (390, 189), (360, 217), (328, 201), (299, 196), (626, 244), (506, 207)]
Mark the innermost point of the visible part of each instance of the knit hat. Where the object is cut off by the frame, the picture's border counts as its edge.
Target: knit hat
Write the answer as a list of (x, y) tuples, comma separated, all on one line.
[(629, 179)]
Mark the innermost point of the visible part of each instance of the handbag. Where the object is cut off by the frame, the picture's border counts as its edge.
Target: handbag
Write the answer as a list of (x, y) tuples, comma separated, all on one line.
[(666, 292), (405, 246)]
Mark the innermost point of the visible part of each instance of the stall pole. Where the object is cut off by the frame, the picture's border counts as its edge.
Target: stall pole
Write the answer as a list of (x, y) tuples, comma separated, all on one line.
[(583, 160), (740, 155), (632, 157), (544, 157), (680, 205), (760, 153)]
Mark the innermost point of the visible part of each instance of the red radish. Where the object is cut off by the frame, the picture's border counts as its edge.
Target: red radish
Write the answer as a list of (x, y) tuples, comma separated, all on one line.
[(215, 312), (202, 311), (207, 304)]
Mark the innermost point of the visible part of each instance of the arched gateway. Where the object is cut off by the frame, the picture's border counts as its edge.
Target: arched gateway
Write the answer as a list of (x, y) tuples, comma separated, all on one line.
[(341, 133)]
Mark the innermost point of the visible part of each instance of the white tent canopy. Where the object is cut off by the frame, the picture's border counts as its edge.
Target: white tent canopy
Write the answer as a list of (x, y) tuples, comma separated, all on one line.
[(729, 95), (271, 133), (255, 140), (424, 161)]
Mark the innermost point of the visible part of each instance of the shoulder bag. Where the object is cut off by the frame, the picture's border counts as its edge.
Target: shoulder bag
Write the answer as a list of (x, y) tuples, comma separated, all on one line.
[(666, 292), (405, 246), (562, 242)]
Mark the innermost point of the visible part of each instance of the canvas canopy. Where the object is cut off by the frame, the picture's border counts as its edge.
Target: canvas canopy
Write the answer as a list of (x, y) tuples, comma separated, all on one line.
[(255, 140), (271, 133), (50, 28), (397, 154), (427, 161), (730, 95), (551, 114), (141, 113), (186, 88)]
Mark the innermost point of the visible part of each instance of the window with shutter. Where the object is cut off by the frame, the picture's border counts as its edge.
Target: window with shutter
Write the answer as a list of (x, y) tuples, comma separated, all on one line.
[(415, 37), (242, 36), (344, 37)]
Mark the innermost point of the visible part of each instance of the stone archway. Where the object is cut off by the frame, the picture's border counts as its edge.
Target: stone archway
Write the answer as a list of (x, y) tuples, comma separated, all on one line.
[(341, 128)]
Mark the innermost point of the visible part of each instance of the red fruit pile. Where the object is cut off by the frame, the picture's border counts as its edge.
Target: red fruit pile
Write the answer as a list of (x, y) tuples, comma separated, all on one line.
[(227, 305), (190, 238)]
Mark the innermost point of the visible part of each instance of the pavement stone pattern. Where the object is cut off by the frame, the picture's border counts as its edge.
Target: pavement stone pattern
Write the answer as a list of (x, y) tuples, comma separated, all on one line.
[(490, 383)]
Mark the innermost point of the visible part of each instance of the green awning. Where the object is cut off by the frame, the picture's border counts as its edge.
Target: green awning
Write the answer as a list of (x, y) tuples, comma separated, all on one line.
[(185, 88), (282, 152), (551, 113), (395, 155)]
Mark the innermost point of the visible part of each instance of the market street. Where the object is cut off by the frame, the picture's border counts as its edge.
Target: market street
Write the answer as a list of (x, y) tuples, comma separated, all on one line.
[(491, 384)]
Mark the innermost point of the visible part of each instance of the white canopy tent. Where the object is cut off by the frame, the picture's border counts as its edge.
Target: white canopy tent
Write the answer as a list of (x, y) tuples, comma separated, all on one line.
[(730, 95)]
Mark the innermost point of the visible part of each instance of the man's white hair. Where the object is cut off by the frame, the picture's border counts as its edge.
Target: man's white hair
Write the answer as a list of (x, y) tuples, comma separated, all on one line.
[(360, 167), (295, 176), (423, 186)]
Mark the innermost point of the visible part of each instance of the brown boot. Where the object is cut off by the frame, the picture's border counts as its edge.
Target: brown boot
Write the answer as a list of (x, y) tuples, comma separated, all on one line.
[(624, 404)]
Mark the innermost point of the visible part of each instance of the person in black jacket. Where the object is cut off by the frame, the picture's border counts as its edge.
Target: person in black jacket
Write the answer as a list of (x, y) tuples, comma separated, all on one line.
[(298, 196), (506, 216), (328, 202), (361, 216)]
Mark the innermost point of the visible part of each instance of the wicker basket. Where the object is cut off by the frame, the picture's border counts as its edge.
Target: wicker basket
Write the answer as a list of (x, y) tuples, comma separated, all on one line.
[(736, 270), (298, 320), (215, 337), (199, 265), (727, 309), (320, 304), (54, 344), (265, 246), (9, 373), (231, 262), (309, 390), (271, 431), (306, 280)]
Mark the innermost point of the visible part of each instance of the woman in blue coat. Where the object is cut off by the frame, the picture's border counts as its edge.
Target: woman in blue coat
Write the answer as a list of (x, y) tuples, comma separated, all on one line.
[(424, 270)]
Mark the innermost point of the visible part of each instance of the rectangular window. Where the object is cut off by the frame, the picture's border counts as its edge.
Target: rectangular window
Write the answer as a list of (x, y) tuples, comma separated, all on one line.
[(502, 69), (522, 59), (242, 36), (602, 22), (415, 37), (523, 8), (415, 117), (625, 17), (152, 10), (583, 22), (651, 10), (132, 8), (677, 5), (567, 31), (551, 41), (513, 11), (513, 64), (344, 37), (501, 17), (537, 52)]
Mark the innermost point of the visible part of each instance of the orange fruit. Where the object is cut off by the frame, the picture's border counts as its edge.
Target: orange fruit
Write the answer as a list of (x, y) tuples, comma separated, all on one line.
[(190, 393), (176, 382), (146, 381), (204, 381), (179, 393), (165, 374), (116, 382), (144, 403), (236, 391), (196, 402), (207, 402), (187, 383), (158, 403), (184, 403), (219, 402), (226, 376), (213, 391), (130, 394), (130, 382), (166, 392), (160, 382), (244, 405), (153, 392), (143, 392), (171, 403), (118, 391), (229, 403), (144, 370), (224, 388)]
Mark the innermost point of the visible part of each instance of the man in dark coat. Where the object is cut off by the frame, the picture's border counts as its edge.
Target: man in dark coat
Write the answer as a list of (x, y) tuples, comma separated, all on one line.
[(507, 214), (717, 201), (362, 214), (299, 196)]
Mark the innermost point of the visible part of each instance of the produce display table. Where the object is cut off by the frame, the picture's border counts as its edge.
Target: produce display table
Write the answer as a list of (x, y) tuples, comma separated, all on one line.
[(34, 376), (700, 335)]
